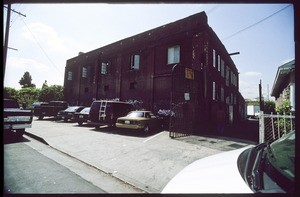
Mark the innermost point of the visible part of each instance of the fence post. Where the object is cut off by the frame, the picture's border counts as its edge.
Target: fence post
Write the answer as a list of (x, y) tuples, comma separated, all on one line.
[(261, 127)]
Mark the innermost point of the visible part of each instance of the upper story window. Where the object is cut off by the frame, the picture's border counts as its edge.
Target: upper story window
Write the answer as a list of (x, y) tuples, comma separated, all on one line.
[(70, 75), (84, 72), (222, 68), (219, 63), (214, 57), (135, 62), (214, 91), (104, 68), (174, 54), (227, 75)]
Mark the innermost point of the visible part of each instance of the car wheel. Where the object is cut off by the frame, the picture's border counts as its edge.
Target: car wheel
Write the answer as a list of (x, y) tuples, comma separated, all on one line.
[(146, 128), (41, 117), (20, 133), (80, 123)]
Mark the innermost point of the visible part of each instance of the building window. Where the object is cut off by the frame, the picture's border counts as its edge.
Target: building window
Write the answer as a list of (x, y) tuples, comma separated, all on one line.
[(222, 68), (104, 68), (135, 62), (174, 54), (214, 91), (70, 76), (106, 88), (219, 63), (227, 75), (84, 72), (214, 57), (222, 93)]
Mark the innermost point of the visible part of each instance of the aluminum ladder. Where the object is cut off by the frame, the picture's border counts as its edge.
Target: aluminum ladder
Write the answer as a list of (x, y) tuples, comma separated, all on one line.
[(102, 110)]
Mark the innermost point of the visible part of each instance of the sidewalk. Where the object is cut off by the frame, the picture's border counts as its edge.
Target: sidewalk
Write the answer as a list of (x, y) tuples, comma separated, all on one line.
[(147, 162)]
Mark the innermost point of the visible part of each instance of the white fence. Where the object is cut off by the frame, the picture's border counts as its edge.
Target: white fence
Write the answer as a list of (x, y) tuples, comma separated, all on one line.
[(274, 126)]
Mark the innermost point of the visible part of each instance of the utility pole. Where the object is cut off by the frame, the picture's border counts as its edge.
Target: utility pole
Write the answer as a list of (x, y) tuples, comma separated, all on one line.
[(5, 47), (261, 104)]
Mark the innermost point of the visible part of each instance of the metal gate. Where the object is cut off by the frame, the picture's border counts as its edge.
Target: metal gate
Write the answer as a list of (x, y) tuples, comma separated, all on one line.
[(274, 126), (184, 101)]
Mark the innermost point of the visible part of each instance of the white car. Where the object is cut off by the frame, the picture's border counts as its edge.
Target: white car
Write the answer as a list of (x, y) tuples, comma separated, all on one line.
[(265, 168)]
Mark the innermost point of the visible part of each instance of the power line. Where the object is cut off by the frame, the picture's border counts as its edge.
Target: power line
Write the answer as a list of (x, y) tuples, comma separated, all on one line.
[(42, 48), (255, 23)]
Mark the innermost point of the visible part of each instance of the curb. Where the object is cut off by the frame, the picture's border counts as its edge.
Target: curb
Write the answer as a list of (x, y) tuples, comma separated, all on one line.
[(36, 137)]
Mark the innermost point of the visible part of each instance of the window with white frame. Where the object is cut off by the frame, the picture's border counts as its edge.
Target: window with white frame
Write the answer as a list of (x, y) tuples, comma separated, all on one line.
[(174, 54), (227, 75), (219, 63), (84, 72), (222, 68), (135, 62), (214, 90), (70, 76), (214, 57), (104, 68)]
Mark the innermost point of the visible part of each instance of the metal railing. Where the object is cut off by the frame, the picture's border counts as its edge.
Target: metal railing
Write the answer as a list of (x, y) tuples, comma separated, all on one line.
[(274, 126)]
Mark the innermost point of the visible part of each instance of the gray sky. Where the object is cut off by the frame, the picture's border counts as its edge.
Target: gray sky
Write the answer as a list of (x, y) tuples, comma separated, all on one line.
[(50, 34)]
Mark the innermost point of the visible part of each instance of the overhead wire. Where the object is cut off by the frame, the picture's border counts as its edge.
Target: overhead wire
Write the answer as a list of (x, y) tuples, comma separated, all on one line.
[(41, 48), (258, 22)]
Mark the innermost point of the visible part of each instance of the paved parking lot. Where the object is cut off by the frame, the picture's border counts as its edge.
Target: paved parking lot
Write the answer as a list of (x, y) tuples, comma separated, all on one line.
[(146, 161)]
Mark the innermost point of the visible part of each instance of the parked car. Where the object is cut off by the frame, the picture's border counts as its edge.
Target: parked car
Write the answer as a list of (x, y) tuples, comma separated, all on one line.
[(82, 116), (49, 109), (68, 114), (15, 119), (106, 112), (264, 168), (141, 120)]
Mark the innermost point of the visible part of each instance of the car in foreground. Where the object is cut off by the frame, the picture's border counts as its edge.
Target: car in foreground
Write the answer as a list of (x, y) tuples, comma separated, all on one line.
[(82, 116), (264, 168), (139, 120), (15, 119), (68, 114)]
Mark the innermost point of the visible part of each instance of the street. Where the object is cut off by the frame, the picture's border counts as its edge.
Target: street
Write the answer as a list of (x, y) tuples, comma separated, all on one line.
[(105, 160), (28, 171)]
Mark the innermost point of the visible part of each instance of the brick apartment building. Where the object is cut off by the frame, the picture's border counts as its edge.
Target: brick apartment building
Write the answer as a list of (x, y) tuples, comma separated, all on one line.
[(139, 69)]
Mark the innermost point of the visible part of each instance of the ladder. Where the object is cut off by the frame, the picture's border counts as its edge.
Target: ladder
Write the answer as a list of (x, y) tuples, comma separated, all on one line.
[(102, 110)]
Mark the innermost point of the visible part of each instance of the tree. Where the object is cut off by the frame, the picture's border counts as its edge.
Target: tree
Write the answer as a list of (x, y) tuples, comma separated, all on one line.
[(10, 93), (28, 95), (51, 93), (45, 84), (25, 81), (269, 107), (284, 108)]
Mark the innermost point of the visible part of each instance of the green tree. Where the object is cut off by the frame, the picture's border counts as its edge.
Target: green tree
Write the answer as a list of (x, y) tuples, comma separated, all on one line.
[(45, 84), (51, 93), (26, 81), (29, 95), (269, 107), (284, 108), (10, 93)]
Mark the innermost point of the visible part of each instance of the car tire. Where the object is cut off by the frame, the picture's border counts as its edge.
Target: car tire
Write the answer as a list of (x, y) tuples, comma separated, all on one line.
[(146, 129), (80, 123), (41, 117), (20, 133)]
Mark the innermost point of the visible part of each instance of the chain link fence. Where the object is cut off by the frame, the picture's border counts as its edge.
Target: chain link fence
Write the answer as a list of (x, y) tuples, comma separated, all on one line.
[(274, 126)]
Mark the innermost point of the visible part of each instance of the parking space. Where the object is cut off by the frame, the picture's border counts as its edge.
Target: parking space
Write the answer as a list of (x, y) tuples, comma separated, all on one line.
[(147, 161)]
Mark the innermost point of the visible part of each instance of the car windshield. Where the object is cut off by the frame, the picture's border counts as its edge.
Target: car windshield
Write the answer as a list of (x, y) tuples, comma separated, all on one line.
[(270, 167), (283, 155), (71, 109), (85, 110), (135, 114)]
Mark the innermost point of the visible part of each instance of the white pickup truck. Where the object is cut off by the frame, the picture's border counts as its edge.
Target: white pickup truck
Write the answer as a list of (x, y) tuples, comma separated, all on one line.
[(16, 120)]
